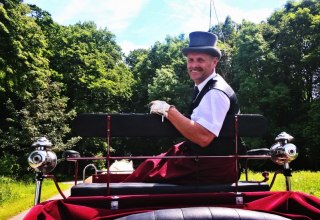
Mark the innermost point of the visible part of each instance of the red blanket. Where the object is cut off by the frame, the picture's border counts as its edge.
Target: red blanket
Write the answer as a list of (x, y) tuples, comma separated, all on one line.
[(185, 170), (293, 205)]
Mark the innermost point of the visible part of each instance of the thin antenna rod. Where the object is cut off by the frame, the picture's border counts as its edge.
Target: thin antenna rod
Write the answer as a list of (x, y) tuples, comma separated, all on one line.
[(210, 15), (215, 11)]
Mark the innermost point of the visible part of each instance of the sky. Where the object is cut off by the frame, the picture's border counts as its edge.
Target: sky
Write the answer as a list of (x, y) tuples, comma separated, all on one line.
[(141, 23)]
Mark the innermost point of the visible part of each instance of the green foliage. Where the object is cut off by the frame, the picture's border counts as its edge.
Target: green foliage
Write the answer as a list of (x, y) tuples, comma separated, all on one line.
[(294, 41), (97, 80), (226, 31), (83, 63), (301, 181), (311, 130), (49, 73), (160, 73), (23, 68), (166, 86), (31, 104), (44, 115), (150, 69), (296, 44), (277, 61), (9, 165), (14, 200), (6, 193), (250, 65)]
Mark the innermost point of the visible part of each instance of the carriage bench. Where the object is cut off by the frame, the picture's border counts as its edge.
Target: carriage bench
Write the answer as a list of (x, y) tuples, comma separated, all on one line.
[(149, 125)]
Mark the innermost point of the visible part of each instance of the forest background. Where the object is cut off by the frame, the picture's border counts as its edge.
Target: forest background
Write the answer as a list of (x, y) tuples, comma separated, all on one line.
[(49, 73)]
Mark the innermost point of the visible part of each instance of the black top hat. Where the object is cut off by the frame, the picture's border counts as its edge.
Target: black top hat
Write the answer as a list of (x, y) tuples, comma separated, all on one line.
[(203, 42)]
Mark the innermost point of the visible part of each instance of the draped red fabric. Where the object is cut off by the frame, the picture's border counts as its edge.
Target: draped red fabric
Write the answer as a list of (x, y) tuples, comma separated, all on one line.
[(185, 170), (294, 205)]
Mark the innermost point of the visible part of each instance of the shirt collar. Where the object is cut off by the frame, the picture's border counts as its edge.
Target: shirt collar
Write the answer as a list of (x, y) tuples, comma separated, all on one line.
[(201, 85)]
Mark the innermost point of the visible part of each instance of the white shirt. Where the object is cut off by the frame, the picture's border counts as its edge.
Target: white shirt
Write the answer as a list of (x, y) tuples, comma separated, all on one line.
[(212, 109)]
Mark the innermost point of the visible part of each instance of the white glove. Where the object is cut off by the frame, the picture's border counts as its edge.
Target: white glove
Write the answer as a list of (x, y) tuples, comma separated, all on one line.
[(159, 107)]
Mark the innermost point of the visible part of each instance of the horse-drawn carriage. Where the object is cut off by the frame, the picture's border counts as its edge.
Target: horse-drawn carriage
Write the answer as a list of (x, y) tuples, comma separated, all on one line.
[(108, 197)]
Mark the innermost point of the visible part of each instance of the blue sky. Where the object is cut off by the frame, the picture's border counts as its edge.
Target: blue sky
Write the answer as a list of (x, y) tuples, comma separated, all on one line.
[(140, 23)]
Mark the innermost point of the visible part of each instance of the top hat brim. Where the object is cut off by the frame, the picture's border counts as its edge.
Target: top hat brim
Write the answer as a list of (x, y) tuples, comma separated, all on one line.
[(213, 51)]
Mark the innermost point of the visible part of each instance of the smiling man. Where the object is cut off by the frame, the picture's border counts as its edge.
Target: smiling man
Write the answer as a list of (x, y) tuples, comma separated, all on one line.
[(212, 101)]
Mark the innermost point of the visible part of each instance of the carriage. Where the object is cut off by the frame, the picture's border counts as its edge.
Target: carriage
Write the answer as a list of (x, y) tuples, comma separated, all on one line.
[(106, 196)]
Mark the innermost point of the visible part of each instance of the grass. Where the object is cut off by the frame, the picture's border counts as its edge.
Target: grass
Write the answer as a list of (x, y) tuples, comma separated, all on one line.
[(17, 196), (302, 181)]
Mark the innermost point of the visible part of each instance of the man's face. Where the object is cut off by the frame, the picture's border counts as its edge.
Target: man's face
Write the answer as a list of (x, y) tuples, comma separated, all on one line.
[(200, 66)]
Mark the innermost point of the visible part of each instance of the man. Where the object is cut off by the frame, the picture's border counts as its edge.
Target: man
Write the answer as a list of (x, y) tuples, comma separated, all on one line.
[(209, 107)]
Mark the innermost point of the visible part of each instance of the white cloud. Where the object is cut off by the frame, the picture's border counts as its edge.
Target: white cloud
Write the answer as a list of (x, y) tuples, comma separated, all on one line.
[(70, 11), (116, 15), (238, 14), (192, 15), (195, 15), (174, 16), (128, 46)]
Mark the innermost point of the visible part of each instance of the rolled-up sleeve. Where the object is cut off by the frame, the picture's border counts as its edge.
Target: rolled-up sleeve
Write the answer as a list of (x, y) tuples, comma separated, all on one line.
[(211, 111)]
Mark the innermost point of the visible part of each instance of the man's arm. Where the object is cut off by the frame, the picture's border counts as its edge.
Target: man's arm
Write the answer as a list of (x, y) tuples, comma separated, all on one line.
[(190, 129), (213, 109)]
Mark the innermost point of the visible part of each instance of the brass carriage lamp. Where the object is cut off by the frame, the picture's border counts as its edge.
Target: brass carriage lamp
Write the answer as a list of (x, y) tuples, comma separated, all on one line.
[(42, 159), (282, 153)]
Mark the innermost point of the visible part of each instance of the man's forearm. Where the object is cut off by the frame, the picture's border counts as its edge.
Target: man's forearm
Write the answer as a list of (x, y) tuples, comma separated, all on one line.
[(190, 129)]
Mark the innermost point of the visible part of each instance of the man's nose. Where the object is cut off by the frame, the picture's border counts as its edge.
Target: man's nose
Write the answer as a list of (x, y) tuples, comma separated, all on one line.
[(193, 64)]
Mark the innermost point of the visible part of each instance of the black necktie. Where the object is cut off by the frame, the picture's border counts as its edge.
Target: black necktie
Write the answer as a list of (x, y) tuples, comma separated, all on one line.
[(195, 93)]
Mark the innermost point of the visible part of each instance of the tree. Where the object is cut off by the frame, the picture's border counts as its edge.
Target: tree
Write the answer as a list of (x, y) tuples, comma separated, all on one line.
[(23, 66), (296, 45), (31, 104), (227, 31), (44, 116), (250, 67), (89, 64), (161, 58), (295, 42)]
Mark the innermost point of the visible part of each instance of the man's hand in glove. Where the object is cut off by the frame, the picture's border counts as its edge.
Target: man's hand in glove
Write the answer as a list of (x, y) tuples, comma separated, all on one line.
[(159, 107)]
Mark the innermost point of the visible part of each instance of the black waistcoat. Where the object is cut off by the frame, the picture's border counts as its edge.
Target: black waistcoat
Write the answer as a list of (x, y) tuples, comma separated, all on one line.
[(219, 146), (220, 84)]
